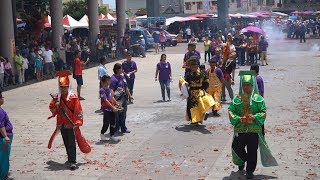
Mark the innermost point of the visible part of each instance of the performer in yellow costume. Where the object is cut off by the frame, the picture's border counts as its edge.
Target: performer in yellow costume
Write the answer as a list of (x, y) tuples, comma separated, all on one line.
[(198, 101), (215, 75)]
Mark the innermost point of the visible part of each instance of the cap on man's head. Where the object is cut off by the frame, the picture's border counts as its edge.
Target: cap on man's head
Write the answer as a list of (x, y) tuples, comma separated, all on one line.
[(141, 36)]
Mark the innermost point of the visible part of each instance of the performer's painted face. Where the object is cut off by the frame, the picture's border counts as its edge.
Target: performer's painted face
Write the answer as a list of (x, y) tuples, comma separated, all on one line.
[(247, 88), (213, 64), (194, 68), (64, 90)]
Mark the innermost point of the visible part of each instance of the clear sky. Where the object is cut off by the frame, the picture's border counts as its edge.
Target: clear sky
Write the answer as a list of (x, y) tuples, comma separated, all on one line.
[(112, 3)]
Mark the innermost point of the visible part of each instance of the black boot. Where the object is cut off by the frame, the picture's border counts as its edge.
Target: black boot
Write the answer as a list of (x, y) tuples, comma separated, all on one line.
[(215, 113), (206, 115), (249, 175), (241, 168)]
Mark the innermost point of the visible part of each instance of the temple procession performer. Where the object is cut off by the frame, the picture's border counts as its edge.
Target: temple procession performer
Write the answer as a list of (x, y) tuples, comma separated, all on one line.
[(215, 85), (198, 101), (247, 112), (66, 106)]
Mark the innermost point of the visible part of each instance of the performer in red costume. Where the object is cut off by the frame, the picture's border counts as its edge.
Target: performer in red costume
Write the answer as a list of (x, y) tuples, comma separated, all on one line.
[(66, 106)]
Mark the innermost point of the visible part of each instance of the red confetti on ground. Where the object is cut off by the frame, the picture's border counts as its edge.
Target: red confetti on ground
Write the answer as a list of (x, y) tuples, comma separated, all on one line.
[(96, 163), (165, 154), (175, 167)]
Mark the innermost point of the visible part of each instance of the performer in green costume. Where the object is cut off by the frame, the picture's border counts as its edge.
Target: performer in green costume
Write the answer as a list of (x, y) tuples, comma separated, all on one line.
[(247, 113)]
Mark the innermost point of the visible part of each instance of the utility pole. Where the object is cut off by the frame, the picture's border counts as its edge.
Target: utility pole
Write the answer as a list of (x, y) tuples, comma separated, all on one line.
[(223, 14), (57, 25), (121, 19), (7, 42), (93, 15)]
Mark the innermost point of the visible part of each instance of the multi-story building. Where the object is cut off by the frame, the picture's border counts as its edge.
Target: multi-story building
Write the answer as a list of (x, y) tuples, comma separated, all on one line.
[(299, 5), (210, 6), (166, 6)]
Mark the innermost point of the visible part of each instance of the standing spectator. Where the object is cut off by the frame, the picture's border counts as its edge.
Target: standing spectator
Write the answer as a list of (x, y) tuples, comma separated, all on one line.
[(217, 56), (6, 136), (228, 68), (214, 44), (8, 74), (69, 54), (19, 65), (48, 63), (165, 76), (163, 40), (113, 48), (106, 47), (78, 65), (25, 72), (121, 92), (259, 79), (58, 62), (242, 50), (1, 72), (37, 65), (302, 31), (126, 42), (99, 45), (188, 32), (263, 45), (142, 43), (207, 52), (31, 59), (193, 40), (252, 50), (102, 71), (129, 70), (156, 37)]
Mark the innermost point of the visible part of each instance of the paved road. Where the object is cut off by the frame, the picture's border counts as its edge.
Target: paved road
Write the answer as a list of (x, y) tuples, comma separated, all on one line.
[(161, 145)]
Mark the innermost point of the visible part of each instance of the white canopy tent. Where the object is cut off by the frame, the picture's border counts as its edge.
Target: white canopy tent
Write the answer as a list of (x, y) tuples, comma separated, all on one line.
[(70, 23)]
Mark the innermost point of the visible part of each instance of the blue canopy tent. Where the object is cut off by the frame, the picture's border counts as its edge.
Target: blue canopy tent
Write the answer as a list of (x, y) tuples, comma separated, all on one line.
[(293, 17)]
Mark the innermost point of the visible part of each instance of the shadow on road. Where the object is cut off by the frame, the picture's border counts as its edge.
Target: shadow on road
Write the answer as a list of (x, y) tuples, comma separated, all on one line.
[(241, 175), (188, 128), (55, 166), (101, 142)]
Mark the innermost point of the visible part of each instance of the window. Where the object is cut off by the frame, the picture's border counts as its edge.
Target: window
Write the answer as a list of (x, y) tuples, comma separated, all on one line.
[(199, 5), (238, 3), (188, 6), (215, 3), (260, 2), (270, 2)]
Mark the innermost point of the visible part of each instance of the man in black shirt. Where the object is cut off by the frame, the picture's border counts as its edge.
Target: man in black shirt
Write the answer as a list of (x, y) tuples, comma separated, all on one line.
[(228, 69)]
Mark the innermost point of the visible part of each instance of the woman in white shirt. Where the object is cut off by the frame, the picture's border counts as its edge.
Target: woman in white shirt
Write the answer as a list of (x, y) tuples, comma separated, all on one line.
[(113, 48), (25, 68), (193, 40)]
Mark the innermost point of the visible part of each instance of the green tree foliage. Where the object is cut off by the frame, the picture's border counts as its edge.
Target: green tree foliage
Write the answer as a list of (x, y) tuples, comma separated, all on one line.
[(77, 9), (32, 8)]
